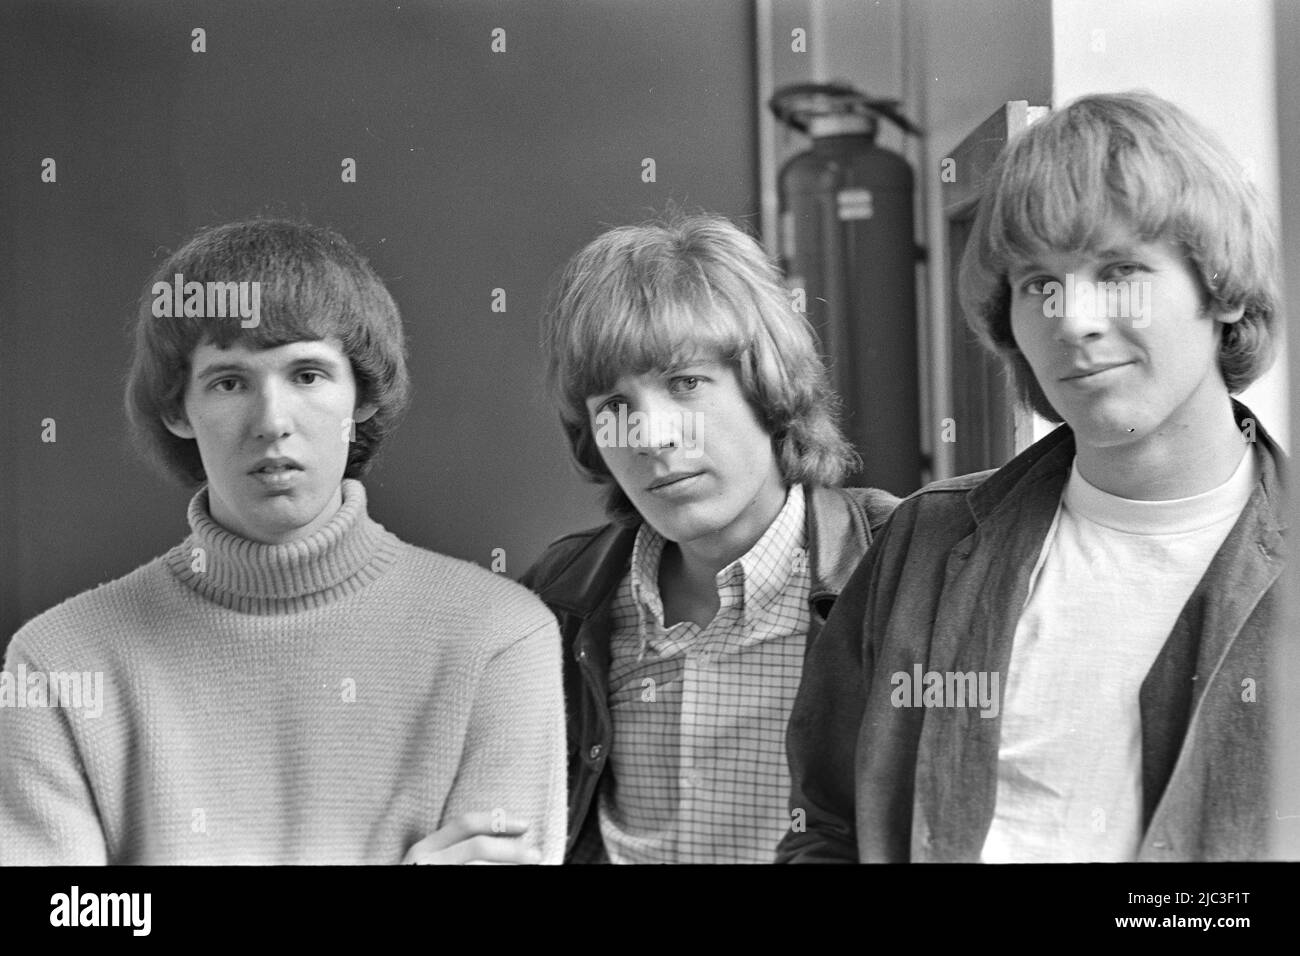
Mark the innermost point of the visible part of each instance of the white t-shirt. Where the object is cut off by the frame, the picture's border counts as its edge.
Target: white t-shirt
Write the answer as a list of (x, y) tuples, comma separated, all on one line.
[(1110, 582)]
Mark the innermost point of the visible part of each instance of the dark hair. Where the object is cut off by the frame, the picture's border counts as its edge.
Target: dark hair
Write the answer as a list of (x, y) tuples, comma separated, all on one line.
[(313, 286), (1136, 159)]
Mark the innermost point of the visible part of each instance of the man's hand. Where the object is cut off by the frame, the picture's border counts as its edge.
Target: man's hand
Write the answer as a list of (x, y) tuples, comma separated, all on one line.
[(475, 838)]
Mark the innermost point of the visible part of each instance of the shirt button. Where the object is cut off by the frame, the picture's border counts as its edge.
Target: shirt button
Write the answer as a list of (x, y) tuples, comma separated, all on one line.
[(705, 658), (596, 752)]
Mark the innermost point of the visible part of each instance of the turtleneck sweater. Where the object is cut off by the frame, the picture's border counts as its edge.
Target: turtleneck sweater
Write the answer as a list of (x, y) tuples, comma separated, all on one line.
[(331, 700)]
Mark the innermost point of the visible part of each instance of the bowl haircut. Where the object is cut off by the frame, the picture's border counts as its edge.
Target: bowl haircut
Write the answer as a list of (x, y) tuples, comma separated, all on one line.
[(313, 286), (1137, 161), (658, 295)]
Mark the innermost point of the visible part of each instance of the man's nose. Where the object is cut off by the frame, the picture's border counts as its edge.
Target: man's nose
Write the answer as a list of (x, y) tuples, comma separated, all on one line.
[(1084, 314), (661, 425), (272, 417)]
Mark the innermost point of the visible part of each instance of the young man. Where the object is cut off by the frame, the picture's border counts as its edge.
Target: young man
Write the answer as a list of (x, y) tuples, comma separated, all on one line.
[(1068, 659), (689, 388), (292, 683)]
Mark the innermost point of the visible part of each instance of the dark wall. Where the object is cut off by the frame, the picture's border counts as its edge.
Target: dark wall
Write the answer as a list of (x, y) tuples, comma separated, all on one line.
[(475, 171)]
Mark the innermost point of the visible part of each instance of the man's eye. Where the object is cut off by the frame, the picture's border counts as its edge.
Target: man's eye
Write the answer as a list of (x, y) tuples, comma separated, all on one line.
[(309, 377), (1123, 270), (1035, 286), (225, 385), (686, 383), (610, 405)]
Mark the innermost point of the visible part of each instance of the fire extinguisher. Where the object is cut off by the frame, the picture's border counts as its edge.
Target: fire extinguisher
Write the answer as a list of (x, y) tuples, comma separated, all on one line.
[(847, 241)]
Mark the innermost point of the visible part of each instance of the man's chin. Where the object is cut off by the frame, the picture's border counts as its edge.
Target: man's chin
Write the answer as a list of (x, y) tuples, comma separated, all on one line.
[(299, 521), (683, 528), (278, 519)]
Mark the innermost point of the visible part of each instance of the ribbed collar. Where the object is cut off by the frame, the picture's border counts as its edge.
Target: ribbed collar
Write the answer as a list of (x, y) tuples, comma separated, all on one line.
[(1168, 517), (345, 555)]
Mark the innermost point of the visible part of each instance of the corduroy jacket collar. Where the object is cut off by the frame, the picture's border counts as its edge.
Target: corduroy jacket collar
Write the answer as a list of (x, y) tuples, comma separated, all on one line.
[(1049, 460), (838, 521)]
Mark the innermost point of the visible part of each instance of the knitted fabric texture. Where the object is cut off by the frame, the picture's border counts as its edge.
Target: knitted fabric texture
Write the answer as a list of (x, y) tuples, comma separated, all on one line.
[(331, 700)]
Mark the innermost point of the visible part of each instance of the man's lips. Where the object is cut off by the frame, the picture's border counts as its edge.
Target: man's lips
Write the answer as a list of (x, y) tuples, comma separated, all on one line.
[(667, 481), (274, 465)]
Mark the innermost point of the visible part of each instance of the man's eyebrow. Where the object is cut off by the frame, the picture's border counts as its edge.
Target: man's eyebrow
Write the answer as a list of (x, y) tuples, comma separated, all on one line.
[(1020, 268), (316, 358), (1114, 252), (689, 361), (219, 368), (228, 367)]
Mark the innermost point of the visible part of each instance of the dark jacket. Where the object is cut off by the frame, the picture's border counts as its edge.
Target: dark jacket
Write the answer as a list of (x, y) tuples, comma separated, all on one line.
[(578, 577), (944, 587)]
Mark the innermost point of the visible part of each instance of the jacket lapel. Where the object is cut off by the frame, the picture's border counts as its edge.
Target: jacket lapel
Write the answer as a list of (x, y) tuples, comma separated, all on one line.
[(1245, 567), (838, 535), (986, 584), (587, 578)]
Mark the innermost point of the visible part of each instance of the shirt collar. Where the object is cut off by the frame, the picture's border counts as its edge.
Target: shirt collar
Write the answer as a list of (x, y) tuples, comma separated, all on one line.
[(751, 583)]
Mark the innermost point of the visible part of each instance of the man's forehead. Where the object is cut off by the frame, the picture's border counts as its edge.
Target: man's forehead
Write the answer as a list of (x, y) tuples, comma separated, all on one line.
[(238, 353), (678, 360)]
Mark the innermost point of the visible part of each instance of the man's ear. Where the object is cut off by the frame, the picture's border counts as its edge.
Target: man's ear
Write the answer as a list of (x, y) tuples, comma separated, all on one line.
[(364, 413), (181, 427)]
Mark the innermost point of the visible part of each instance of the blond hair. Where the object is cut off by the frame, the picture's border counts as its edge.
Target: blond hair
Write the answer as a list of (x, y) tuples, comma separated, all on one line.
[(1137, 160), (654, 295)]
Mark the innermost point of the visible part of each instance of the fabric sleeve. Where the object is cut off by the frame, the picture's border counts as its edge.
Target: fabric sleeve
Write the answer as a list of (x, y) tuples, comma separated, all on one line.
[(514, 756), (822, 736), (880, 506), (47, 808)]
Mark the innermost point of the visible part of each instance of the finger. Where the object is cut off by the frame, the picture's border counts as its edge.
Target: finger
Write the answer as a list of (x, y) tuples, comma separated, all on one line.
[(496, 849), (466, 825), (479, 849), (462, 827)]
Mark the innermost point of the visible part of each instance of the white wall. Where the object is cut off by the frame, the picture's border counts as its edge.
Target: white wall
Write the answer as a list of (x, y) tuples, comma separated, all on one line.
[(1214, 58)]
